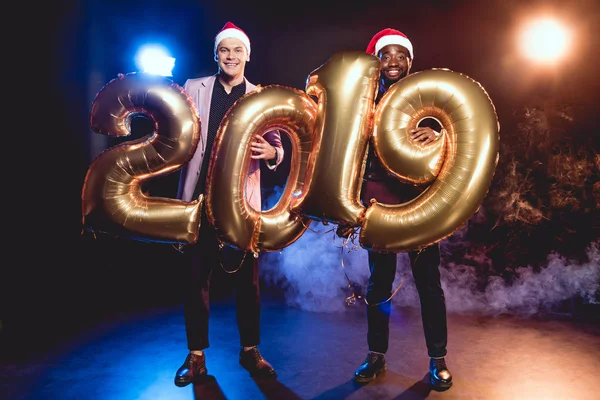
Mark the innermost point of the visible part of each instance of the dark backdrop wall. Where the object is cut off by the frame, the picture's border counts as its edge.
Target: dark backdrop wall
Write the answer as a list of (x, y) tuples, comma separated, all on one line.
[(59, 279)]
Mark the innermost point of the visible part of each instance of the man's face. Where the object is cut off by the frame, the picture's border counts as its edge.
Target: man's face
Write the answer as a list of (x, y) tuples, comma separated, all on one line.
[(232, 56), (395, 63)]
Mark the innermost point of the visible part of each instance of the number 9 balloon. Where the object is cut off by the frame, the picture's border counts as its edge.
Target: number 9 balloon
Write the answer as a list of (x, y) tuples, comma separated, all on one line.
[(112, 197), (460, 174)]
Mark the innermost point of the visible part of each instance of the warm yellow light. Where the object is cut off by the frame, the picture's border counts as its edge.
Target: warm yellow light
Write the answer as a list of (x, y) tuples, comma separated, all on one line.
[(545, 40)]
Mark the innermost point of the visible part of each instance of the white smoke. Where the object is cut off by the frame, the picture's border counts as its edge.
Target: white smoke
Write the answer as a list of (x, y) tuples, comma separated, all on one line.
[(315, 270), (315, 273)]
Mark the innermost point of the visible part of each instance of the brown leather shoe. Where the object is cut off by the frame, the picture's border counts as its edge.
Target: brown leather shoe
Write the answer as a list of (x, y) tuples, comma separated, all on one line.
[(193, 368), (254, 363), (373, 365), (440, 377)]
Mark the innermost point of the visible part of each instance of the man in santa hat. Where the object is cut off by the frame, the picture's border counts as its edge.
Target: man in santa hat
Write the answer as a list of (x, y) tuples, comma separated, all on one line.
[(213, 96), (395, 52)]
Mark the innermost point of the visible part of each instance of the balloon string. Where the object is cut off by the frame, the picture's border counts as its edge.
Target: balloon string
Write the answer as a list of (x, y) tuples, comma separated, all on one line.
[(350, 300), (221, 245), (180, 248), (312, 230), (389, 298), (88, 231)]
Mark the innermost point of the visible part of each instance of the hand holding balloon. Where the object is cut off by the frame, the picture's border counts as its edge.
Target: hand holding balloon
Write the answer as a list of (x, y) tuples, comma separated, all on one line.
[(424, 135), (262, 150), (345, 231)]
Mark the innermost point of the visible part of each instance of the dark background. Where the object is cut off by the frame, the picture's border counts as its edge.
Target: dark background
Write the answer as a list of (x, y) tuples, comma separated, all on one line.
[(56, 279)]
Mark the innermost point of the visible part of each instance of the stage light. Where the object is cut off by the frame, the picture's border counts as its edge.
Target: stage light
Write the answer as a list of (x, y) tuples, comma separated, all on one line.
[(154, 59), (545, 40)]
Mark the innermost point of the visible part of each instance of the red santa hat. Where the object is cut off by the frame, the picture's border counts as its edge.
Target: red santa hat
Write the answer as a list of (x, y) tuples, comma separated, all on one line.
[(229, 30), (389, 36)]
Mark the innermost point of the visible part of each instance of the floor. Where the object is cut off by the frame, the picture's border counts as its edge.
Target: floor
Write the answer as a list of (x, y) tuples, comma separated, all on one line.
[(135, 355)]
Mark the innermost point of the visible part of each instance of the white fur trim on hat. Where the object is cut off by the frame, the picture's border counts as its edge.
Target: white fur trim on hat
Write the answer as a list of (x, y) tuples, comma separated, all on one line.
[(232, 33), (394, 39)]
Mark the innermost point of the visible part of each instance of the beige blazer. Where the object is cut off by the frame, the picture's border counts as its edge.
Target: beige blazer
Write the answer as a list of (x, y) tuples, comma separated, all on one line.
[(200, 90)]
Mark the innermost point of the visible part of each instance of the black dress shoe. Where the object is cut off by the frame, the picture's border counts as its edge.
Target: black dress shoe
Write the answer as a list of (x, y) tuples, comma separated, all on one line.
[(192, 370), (254, 363), (441, 378), (374, 365)]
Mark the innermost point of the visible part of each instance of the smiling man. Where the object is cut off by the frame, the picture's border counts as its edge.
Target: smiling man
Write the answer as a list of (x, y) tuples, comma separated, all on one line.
[(395, 53), (214, 95)]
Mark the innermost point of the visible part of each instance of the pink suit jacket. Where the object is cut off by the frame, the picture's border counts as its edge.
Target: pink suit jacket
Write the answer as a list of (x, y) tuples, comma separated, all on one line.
[(200, 90)]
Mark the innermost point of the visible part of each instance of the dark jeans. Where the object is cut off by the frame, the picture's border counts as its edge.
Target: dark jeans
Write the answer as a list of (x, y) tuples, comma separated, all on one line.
[(426, 273), (200, 259), (425, 268)]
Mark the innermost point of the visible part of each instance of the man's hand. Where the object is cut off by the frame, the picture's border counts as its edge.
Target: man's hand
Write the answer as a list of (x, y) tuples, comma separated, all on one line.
[(262, 150), (344, 231), (425, 135)]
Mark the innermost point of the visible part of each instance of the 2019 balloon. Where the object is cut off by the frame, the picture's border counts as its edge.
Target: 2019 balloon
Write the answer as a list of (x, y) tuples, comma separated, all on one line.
[(112, 197), (330, 139)]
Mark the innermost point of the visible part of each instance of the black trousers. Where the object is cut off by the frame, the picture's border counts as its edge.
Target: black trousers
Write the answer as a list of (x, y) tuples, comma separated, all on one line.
[(425, 269), (200, 260)]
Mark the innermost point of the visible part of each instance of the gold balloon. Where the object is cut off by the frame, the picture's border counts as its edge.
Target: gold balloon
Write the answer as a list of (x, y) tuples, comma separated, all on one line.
[(112, 197), (467, 167), (329, 139), (265, 109), (409, 161), (345, 87), (332, 140)]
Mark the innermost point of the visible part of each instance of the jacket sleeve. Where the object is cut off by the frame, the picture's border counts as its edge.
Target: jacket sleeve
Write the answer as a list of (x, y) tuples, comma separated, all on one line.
[(274, 139)]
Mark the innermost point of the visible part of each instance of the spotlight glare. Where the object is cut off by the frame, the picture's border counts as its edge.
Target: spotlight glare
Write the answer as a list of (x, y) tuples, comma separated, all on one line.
[(545, 40), (155, 60)]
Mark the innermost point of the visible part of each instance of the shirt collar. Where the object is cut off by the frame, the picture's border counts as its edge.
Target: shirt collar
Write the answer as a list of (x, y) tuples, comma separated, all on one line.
[(241, 86)]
